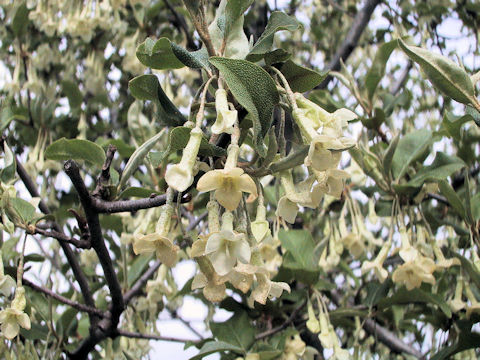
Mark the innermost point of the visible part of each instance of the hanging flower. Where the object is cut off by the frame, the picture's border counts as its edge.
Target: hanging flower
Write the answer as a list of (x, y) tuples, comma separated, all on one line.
[(228, 183), (159, 242), (325, 151), (12, 318), (413, 273), (180, 176), (226, 247), (377, 264), (225, 117)]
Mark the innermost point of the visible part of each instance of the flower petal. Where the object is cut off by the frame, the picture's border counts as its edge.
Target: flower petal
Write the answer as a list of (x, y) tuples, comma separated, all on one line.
[(222, 262), (210, 181), (287, 209), (10, 328), (228, 199), (24, 321), (145, 244), (241, 250), (246, 184), (214, 243), (179, 177)]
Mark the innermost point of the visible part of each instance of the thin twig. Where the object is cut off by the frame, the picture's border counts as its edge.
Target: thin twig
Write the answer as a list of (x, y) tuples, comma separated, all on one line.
[(64, 300), (111, 207), (136, 335), (79, 243), (138, 286), (283, 326)]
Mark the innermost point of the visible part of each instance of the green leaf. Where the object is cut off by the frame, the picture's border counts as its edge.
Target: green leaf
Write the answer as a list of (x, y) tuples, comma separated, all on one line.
[(10, 165), (237, 331), (140, 264), (137, 158), (453, 124), (147, 87), (73, 93), (475, 201), (277, 56), (158, 54), (278, 21), (294, 158), (75, 149), (375, 292), (23, 209), (20, 20), (466, 340), (300, 245), (233, 11), (123, 149), (388, 157), (254, 89), (445, 75), (193, 59), (6, 116), (452, 197), (408, 149), (377, 70), (137, 192), (470, 268), (300, 78), (177, 140), (443, 166), (215, 347), (404, 296)]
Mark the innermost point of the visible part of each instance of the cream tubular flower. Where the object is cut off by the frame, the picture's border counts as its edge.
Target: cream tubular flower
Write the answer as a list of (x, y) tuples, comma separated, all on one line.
[(325, 151), (212, 291), (6, 281), (260, 227), (377, 264), (158, 241), (457, 304), (413, 273), (180, 176), (226, 247), (225, 118), (228, 183), (13, 318)]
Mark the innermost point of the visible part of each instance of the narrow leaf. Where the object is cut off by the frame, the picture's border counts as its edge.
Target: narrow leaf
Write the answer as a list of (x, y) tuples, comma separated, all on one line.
[(10, 165), (215, 347), (137, 158), (443, 166), (445, 75), (409, 148), (377, 70), (452, 197)]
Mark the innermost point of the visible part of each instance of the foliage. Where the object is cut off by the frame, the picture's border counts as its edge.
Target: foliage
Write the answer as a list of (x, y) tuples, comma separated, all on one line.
[(317, 161)]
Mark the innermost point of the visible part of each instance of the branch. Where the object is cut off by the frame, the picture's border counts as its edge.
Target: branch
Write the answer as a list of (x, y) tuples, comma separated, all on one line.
[(79, 243), (104, 177), (351, 40), (283, 326), (110, 207), (64, 300), (107, 326), (385, 336), (138, 286), (400, 83), (69, 254), (96, 239), (136, 335)]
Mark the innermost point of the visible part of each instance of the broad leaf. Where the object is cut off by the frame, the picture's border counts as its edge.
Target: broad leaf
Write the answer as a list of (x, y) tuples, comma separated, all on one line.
[(452, 197), (254, 89), (9, 169), (388, 157), (138, 267), (445, 75), (408, 149), (453, 124), (404, 296), (300, 78), (75, 149), (193, 59), (137, 192), (20, 20), (73, 93), (377, 70), (300, 245), (278, 21), (158, 54), (147, 87), (233, 11), (23, 209), (443, 166), (215, 347), (237, 331)]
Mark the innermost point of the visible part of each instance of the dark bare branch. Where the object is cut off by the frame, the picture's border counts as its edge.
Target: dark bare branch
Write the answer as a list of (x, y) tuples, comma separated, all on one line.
[(351, 40), (110, 207)]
